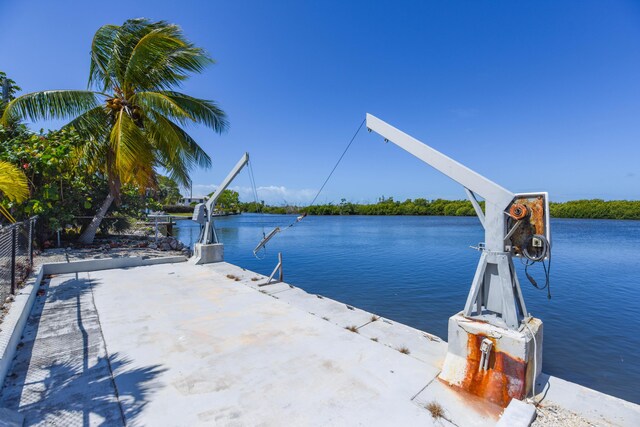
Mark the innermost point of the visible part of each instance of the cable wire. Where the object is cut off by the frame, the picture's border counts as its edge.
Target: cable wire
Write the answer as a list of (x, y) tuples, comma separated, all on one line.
[(547, 273), (259, 210), (265, 238), (338, 162)]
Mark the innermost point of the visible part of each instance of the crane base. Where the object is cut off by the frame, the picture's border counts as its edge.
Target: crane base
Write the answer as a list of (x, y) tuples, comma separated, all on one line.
[(491, 362), (207, 254)]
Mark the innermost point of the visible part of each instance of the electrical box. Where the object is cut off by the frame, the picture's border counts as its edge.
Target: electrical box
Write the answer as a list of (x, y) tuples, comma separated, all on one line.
[(199, 213), (529, 214)]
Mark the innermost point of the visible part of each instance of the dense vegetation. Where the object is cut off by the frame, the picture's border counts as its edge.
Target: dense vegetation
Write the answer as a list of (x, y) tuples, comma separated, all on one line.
[(596, 208), (131, 119), (64, 190), (13, 182)]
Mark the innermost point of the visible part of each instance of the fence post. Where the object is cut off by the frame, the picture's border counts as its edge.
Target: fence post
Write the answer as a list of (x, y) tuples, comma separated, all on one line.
[(13, 259), (31, 222), (280, 264)]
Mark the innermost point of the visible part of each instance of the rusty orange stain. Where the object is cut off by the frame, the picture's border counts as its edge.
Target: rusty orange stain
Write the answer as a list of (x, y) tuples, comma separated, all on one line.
[(504, 380), (534, 224), (536, 208)]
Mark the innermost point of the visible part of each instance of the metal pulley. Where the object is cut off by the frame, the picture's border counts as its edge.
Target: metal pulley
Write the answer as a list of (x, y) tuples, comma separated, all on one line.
[(518, 211)]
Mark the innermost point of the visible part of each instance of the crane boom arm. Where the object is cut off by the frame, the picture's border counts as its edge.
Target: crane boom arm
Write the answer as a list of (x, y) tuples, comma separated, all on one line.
[(471, 180), (227, 181), (208, 233)]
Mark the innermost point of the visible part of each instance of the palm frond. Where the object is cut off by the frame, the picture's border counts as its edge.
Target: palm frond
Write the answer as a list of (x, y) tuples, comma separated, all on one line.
[(160, 103), (50, 104), (150, 50), (200, 110), (101, 54), (129, 145), (144, 176), (178, 141), (177, 151), (179, 171), (13, 182), (162, 59), (91, 155), (92, 124), (125, 41)]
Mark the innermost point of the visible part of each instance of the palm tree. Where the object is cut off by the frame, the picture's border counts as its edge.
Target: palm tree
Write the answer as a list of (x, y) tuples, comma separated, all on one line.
[(133, 118)]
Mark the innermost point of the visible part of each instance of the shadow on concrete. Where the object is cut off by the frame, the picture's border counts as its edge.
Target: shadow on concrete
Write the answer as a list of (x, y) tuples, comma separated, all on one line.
[(542, 387), (72, 396), (64, 375), (69, 289)]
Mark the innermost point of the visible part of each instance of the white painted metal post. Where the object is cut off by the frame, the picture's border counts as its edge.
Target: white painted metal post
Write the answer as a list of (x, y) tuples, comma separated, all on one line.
[(273, 273)]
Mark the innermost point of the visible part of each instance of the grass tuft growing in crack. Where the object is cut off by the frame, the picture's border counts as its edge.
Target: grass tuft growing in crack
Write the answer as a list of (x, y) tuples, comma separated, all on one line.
[(436, 409)]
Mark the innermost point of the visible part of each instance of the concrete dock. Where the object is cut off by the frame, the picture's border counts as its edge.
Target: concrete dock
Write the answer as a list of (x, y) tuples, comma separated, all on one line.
[(181, 344)]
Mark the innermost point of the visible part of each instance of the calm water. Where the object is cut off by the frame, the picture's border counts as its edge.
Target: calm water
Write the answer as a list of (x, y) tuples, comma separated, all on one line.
[(418, 270)]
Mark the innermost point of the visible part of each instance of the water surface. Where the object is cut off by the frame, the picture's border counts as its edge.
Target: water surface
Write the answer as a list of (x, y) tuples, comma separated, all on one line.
[(418, 270)]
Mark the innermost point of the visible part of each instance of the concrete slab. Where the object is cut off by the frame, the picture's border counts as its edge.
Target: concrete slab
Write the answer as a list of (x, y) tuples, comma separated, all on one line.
[(15, 320), (599, 408), (246, 277), (204, 344), (107, 264), (425, 347), (226, 354), (336, 312), (62, 373), (462, 409), (339, 313), (517, 414), (206, 254)]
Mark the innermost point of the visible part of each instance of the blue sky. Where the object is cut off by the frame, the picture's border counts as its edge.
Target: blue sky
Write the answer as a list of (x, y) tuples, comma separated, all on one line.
[(537, 96)]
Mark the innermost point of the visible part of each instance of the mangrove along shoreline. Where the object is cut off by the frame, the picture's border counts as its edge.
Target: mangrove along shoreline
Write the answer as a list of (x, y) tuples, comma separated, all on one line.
[(586, 209)]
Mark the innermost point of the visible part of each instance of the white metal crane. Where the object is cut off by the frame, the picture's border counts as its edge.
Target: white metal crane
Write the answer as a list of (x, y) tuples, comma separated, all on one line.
[(203, 212), (514, 224)]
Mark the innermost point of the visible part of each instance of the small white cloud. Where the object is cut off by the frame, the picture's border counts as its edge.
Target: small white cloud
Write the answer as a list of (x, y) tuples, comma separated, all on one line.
[(200, 190), (271, 194)]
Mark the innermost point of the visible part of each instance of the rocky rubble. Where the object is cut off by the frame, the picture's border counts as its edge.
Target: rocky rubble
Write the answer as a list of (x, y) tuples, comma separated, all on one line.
[(116, 246), (168, 244), (549, 415)]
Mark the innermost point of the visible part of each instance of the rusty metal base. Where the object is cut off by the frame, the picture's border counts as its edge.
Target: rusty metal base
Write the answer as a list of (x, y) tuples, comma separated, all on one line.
[(510, 370)]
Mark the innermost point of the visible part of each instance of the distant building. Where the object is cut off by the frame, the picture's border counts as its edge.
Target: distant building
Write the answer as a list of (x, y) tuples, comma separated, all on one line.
[(187, 201)]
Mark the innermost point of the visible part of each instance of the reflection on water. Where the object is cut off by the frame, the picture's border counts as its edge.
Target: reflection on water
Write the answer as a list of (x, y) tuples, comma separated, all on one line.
[(418, 270)]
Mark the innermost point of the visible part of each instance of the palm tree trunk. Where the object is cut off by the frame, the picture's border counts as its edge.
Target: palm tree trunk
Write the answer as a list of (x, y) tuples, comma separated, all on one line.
[(89, 233)]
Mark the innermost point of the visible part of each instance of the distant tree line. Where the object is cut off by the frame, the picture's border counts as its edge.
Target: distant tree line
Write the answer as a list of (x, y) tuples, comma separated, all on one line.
[(595, 208)]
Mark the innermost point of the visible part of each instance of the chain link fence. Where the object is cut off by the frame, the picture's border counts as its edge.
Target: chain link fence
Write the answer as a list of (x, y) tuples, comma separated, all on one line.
[(16, 256)]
